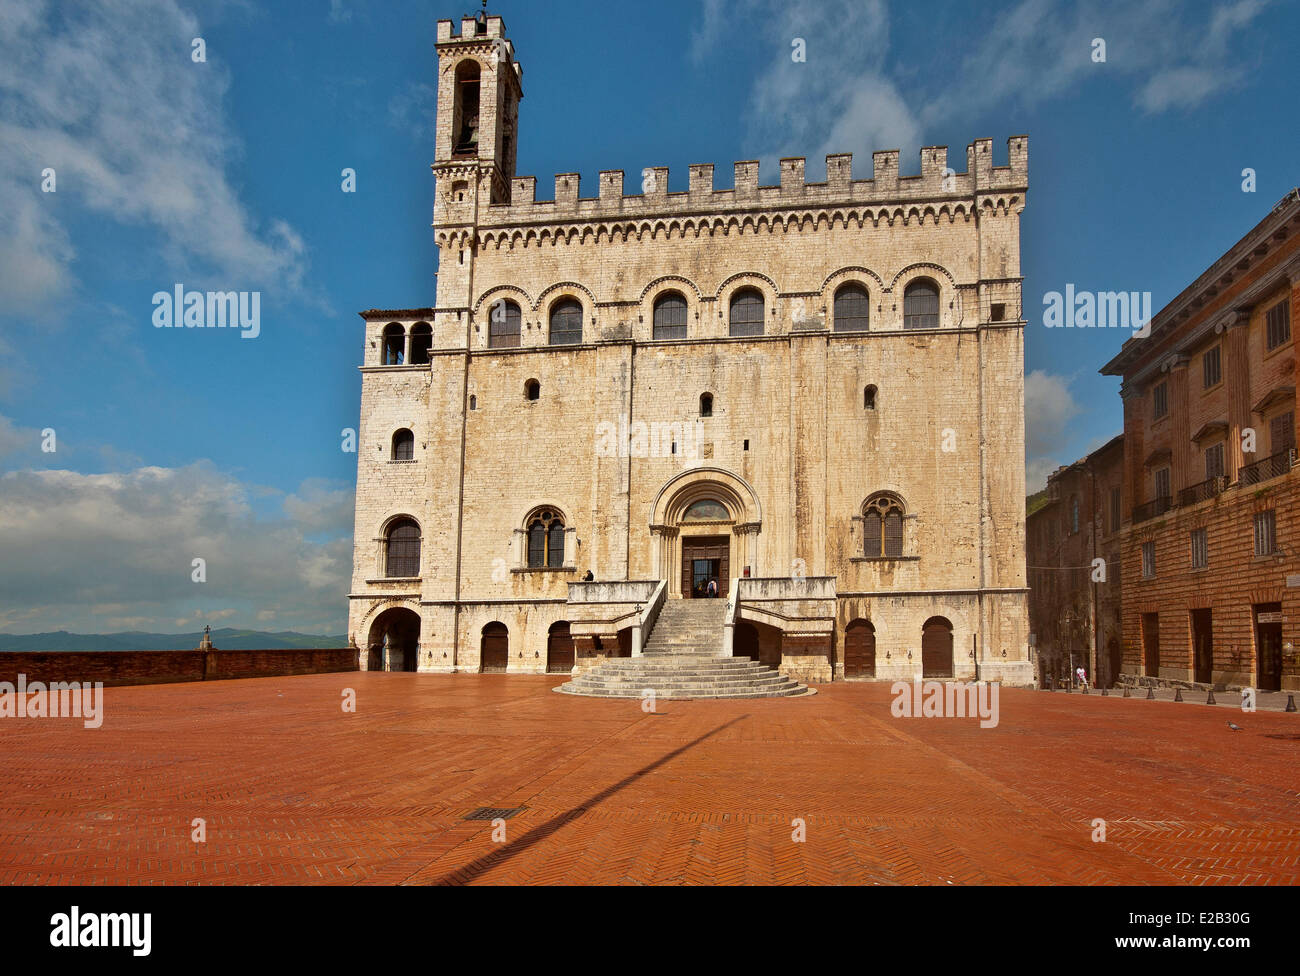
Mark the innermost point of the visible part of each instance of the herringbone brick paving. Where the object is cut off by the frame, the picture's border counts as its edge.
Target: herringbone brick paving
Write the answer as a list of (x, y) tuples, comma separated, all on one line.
[(295, 791)]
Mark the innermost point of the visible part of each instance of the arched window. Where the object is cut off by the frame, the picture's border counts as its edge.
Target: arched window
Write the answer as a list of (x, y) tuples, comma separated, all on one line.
[(670, 316), (869, 398), (566, 322), (402, 548), (706, 404), (883, 524), (921, 305), (503, 325), (546, 540), (465, 114), (421, 343), (532, 390), (747, 312), (403, 445), (394, 353), (851, 308)]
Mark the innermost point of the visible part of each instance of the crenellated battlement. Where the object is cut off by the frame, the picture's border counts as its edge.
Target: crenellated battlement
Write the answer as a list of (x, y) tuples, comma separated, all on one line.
[(980, 180)]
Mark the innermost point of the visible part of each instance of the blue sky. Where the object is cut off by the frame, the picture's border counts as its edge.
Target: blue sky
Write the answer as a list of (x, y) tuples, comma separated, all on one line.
[(175, 444)]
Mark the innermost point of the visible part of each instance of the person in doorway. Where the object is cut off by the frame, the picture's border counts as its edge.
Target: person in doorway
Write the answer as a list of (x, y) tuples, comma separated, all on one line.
[(712, 588)]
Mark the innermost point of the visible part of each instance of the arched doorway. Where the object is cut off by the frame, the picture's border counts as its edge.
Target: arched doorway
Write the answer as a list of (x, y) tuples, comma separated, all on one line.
[(559, 648), (494, 648), (936, 648), (394, 641), (860, 650), (744, 642), (704, 528)]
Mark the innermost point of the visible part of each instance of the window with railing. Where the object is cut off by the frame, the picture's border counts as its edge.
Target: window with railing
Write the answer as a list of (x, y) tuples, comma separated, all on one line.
[(1162, 483), (1200, 548), (1214, 460), (1273, 466), (1148, 560)]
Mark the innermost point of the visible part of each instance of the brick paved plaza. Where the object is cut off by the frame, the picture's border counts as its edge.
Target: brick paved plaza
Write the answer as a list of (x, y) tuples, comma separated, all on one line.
[(293, 790)]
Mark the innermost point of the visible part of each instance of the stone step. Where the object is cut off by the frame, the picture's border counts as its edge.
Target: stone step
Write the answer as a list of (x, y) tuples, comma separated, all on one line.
[(797, 692)]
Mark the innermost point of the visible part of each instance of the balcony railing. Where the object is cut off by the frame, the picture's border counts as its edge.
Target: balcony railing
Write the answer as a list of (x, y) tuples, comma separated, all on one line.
[(1206, 489), (1149, 510), (1270, 467)]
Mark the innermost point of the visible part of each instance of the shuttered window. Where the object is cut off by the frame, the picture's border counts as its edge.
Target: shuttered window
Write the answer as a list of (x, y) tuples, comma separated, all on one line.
[(1160, 400), (403, 445), (1278, 324), (1162, 483), (1282, 432), (503, 329), (1212, 367), (851, 307), (566, 323), (921, 305), (882, 519), (670, 317), (402, 558), (747, 313), (1200, 549), (546, 540), (1265, 528), (1213, 461)]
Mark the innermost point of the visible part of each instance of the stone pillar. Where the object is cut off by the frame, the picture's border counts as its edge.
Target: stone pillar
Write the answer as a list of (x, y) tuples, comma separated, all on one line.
[(1181, 474), (1235, 357)]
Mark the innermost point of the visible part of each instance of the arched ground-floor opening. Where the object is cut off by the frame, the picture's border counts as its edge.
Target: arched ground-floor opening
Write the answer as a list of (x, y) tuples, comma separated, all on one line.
[(394, 641), (936, 648), (860, 649), (559, 648), (494, 648), (758, 642)]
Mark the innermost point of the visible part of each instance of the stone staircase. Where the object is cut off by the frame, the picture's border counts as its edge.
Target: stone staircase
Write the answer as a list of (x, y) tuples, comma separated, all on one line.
[(680, 660)]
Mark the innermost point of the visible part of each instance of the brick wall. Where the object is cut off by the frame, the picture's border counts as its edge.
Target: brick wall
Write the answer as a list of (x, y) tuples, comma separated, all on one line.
[(164, 667)]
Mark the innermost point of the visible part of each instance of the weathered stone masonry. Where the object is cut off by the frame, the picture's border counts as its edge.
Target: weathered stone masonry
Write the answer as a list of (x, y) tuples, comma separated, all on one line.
[(790, 448)]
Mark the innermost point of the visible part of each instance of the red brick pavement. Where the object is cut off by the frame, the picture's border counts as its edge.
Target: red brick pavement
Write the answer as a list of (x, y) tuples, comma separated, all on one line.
[(294, 790)]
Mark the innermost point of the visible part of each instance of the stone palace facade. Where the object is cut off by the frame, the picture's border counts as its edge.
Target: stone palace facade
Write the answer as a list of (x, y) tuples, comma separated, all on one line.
[(805, 398)]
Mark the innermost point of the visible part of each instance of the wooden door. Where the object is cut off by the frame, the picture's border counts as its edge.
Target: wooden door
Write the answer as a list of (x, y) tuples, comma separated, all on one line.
[(936, 649), (715, 549), (559, 649), (494, 651), (860, 650)]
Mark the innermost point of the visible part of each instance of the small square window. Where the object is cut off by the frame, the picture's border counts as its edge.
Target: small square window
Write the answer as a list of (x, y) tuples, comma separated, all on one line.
[(998, 312)]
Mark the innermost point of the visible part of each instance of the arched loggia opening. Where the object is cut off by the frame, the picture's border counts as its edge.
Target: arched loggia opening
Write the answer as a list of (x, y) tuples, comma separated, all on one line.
[(394, 641)]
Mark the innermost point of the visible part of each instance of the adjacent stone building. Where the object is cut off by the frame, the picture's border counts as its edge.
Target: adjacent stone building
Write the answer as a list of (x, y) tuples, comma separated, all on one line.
[(1211, 492), (1075, 571), (807, 397)]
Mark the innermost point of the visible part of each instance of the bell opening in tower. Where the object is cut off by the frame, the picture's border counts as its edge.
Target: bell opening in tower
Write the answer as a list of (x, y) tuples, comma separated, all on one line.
[(466, 115)]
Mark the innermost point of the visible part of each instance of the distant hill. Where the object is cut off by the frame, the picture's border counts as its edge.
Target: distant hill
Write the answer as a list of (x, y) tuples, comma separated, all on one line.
[(227, 638)]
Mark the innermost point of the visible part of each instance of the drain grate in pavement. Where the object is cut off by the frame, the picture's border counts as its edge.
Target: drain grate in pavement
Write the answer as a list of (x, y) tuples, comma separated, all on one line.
[(493, 813)]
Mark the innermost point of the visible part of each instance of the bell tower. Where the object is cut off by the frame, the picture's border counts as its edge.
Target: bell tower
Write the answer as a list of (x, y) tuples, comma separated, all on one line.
[(479, 88)]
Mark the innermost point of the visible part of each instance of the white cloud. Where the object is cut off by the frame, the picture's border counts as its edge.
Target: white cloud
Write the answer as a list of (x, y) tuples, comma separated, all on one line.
[(124, 543), (849, 94), (106, 95), (338, 13), (1049, 408)]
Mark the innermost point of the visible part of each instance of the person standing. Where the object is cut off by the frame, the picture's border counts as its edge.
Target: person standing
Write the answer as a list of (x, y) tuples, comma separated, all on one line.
[(712, 588)]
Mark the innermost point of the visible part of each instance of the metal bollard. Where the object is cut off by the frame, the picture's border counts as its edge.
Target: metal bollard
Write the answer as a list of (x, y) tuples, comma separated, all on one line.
[(1178, 694)]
